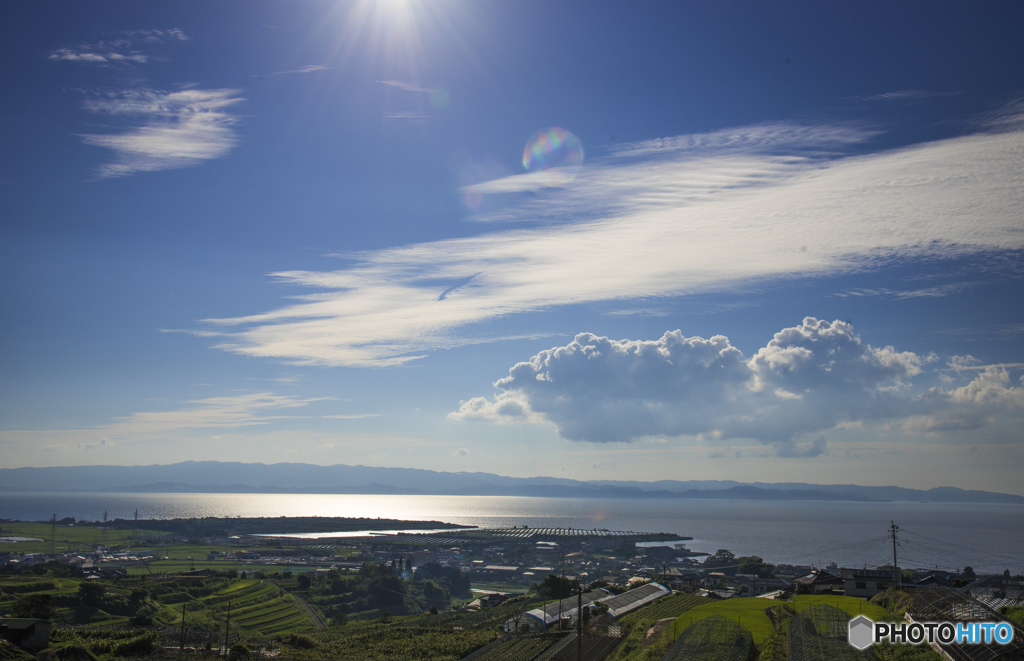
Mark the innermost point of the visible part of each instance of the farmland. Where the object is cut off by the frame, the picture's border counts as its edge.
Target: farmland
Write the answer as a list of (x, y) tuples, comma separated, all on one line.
[(747, 611)]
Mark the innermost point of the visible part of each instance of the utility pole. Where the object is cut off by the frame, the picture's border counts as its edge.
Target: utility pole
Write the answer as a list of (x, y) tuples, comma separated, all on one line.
[(182, 649), (227, 629), (561, 584), (895, 567), (53, 532), (579, 621)]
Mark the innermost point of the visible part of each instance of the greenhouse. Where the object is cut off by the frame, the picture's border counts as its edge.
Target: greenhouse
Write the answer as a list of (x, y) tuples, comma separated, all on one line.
[(714, 638)]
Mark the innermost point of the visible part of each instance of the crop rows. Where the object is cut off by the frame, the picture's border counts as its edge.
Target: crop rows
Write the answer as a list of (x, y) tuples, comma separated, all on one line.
[(516, 649), (671, 606), (396, 643), (258, 606)]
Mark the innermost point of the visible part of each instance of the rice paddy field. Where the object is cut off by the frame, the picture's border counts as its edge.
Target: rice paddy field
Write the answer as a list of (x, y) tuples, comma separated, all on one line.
[(851, 605), (73, 538)]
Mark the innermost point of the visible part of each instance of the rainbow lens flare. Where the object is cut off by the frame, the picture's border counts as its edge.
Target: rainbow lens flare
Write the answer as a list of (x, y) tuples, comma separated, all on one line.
[(555, 152)]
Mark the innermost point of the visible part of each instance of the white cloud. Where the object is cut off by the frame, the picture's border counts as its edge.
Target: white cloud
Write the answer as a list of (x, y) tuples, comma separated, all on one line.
[(809, 378), (674, 217), (905, 95), (356, 416), (227, 412), (939, 291), (403, 85), (122, 49), (179, 129), (413, 117), (309, 68), (93, 57)]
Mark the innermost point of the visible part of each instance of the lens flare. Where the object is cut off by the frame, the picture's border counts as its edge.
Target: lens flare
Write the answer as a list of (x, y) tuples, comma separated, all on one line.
[(555, 152)]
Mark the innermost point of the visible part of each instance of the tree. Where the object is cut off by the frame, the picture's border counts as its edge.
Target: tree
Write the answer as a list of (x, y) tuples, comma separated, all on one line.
[(968, 573), (36, 606), (305, 581), (723, 560), (91, 593), (556, 587), (754, 565)]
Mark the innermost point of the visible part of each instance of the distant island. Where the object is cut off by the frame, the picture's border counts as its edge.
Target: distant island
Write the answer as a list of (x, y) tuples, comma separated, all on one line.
[(236, 477)]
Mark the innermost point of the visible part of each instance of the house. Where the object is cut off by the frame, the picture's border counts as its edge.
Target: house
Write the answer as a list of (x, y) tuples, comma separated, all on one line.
[(494, 599), (819, 581), (867, 582), (934, 581), (677, 579), (715, 579), (997, 586), (27, 633), (749, 585)]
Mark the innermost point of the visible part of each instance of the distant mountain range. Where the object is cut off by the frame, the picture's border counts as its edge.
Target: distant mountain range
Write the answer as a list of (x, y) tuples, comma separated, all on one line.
[(234, 477)]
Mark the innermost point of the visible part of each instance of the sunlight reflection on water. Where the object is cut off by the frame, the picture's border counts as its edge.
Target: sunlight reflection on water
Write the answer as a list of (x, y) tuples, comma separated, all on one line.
[(988, 537)]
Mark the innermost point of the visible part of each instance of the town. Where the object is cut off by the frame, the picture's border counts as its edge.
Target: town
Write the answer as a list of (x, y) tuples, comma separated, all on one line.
[(121, 589)]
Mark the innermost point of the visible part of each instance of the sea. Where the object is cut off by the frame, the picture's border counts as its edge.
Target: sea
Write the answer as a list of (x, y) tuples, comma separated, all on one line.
[(989, 538)]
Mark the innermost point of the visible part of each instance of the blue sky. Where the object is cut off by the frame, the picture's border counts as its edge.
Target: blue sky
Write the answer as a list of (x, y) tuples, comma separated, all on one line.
[(788, 248)]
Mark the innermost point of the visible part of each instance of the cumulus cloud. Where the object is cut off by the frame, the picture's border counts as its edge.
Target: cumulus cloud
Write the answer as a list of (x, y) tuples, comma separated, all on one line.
[(809, 378), (664, 218), (461, 452), (178, 129)]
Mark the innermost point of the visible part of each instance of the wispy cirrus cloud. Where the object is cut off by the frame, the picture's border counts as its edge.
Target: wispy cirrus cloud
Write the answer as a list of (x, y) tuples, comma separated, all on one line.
[(125, 47), (664, 218), (178, 129), (225, 412), (939, 291), (904, 95), (355, 416), (412, 116), (403, 85), (309, 68)]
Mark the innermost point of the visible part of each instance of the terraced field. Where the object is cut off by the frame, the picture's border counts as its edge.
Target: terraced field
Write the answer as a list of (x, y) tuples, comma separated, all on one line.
[(519, 648), (257, 606)]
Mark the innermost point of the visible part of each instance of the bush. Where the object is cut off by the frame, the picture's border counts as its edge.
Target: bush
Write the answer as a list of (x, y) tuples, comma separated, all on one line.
[(38, 606), (138, 646), (239, 651), (300, 641)]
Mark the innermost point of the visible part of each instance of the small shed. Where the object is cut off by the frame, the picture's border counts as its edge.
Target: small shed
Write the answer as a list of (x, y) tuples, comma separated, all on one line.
[(25, 632)]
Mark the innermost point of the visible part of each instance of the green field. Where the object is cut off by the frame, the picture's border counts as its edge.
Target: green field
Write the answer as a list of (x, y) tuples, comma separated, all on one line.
[(256, 606), (670, 606), (69, 537), (373, 641), (748, 611), (852, 605)]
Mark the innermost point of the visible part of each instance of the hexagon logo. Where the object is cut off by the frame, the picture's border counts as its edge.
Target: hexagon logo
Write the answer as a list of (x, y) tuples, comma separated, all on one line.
[(861, 633)]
